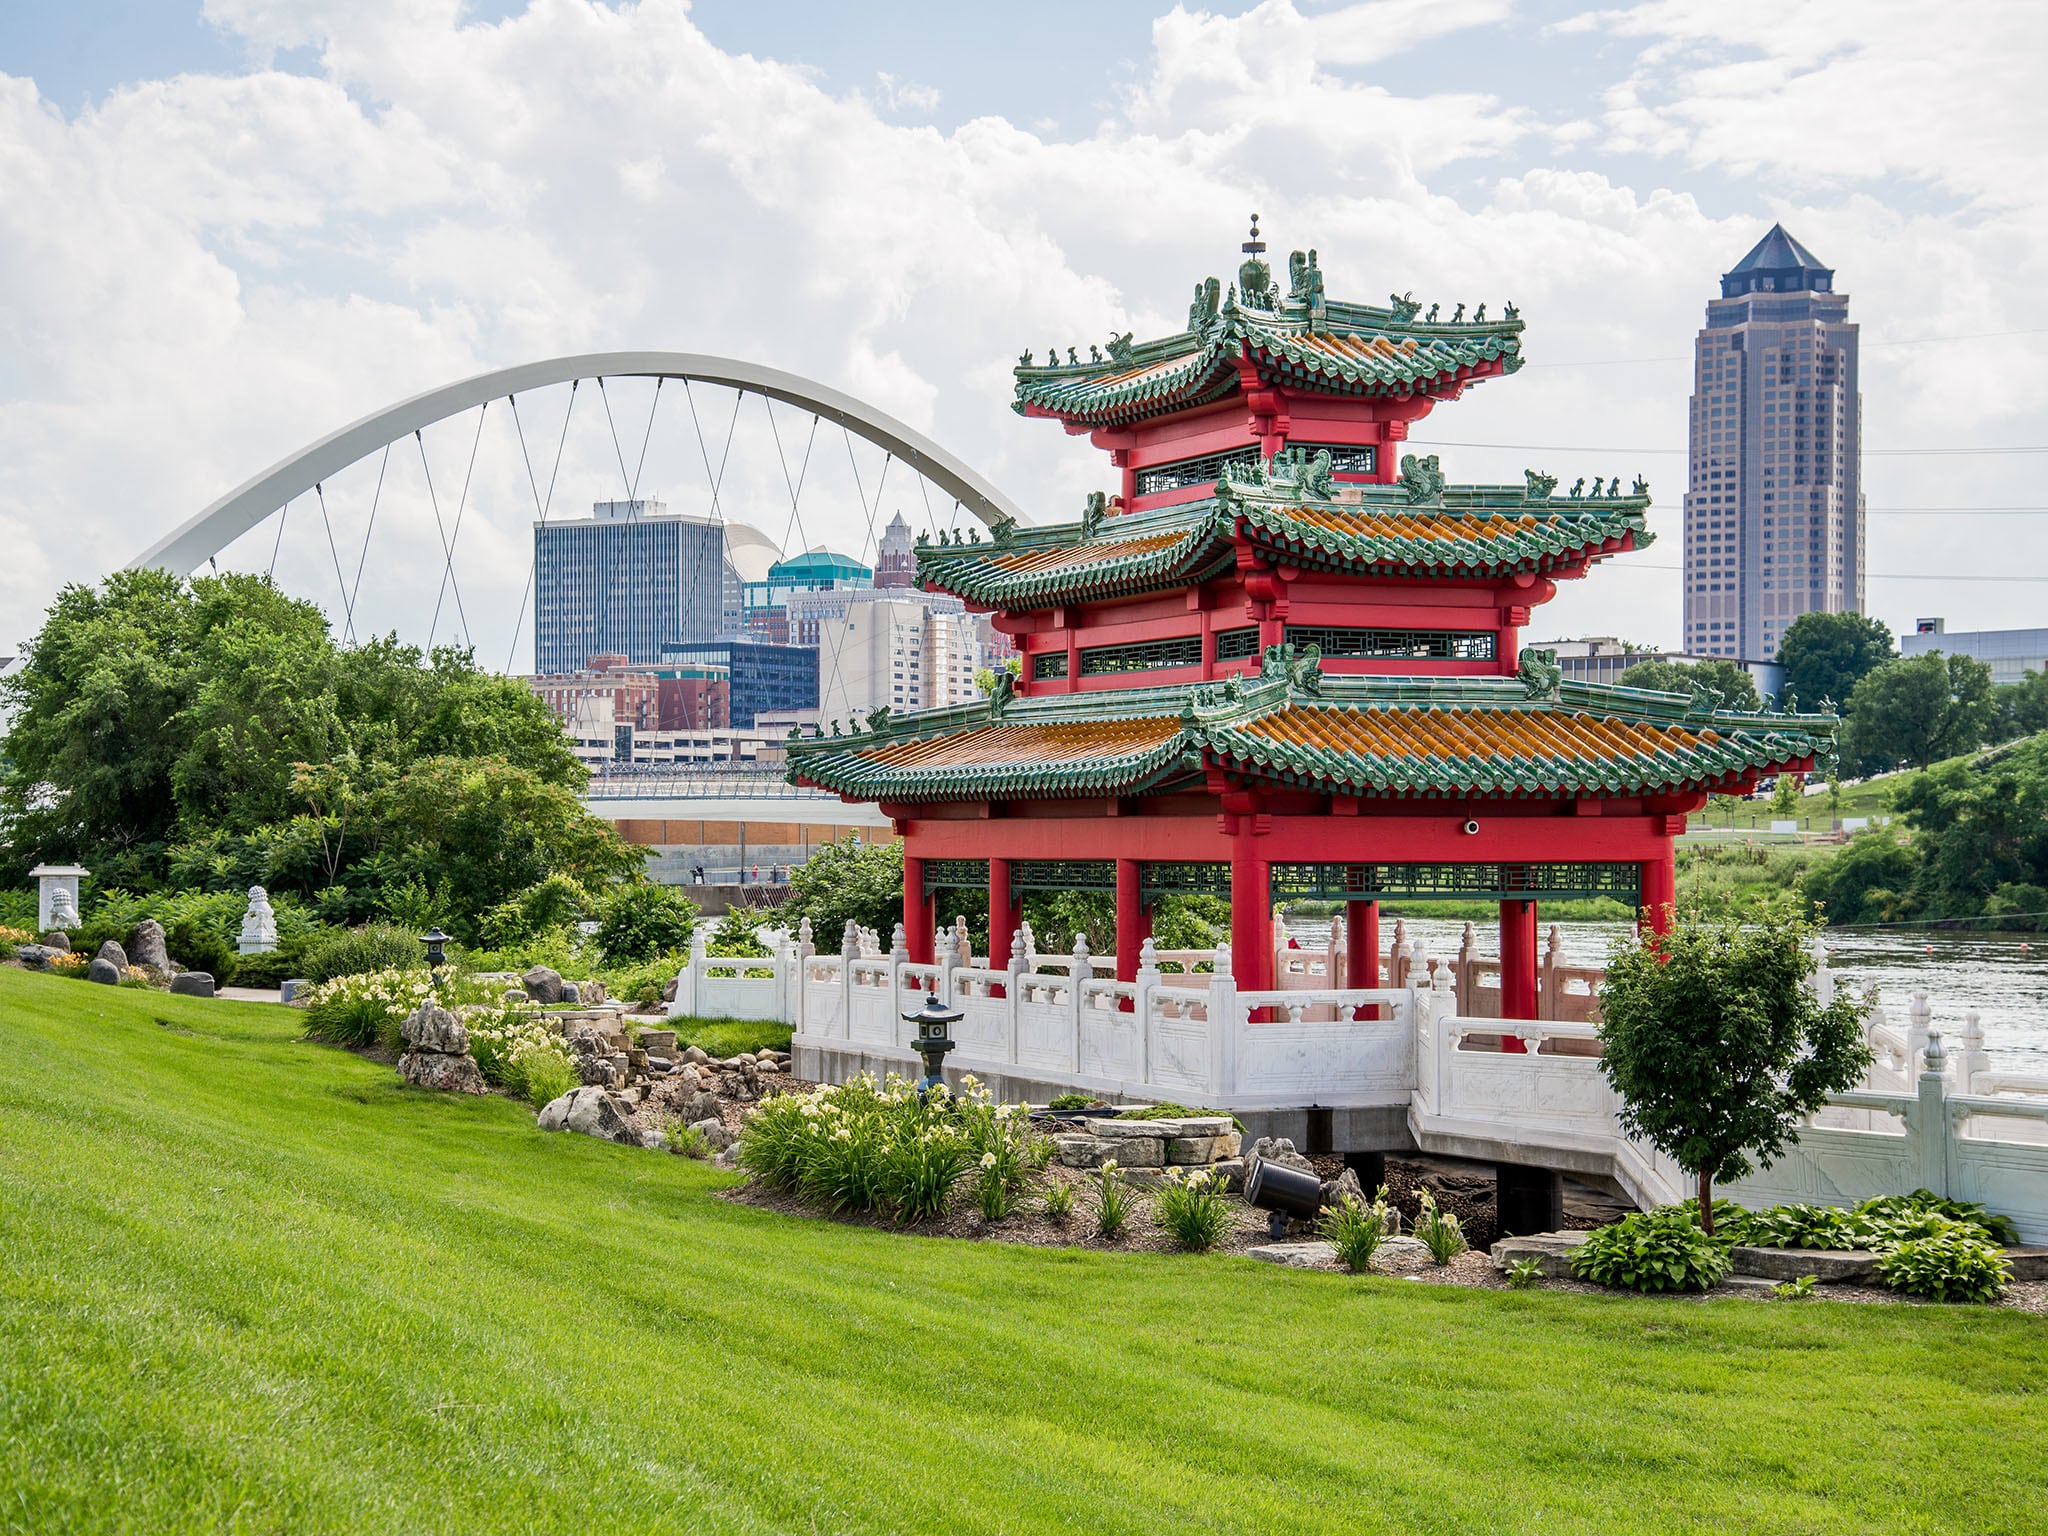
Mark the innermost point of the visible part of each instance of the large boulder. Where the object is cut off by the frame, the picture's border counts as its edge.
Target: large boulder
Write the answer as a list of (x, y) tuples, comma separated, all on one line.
[(192, 984), (699, 1106), (57, 938), (146, 946), (114, 954), (1276, 1149), (1344, 1187), (103, 971), (432, 1028), (590, 1112), (441, 1071), (713, 1133), (543, 984), (37, 956)]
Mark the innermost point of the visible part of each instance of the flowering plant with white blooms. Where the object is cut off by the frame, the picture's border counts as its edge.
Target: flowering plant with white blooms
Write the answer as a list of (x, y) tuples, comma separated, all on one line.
[(366, 1009), (866, 1146), (519, 1051)]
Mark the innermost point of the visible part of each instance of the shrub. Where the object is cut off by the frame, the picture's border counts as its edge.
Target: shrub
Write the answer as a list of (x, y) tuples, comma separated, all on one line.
[(1895, 1218), (555, 902), (1073, 1101), (646, 982), (510, 1043), (364, 951), (548, 1078), (1114, 1202), (1194, 1211), (861, 1147), (1660, 1250), (1059, 1202), (639, 920), (1795, 1226), (1441, 1232), (1955, 1265), (1356, 1231), (269, 970), (360, 1010)]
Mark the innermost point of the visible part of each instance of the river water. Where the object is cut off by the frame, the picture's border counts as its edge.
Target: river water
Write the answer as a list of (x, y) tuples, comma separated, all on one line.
[(2004, 977)]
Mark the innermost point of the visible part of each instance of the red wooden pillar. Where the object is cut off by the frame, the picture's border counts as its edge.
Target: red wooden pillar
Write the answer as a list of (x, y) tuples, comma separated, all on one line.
[(1132, 920), (1362, 944), (1251, 916), (1517, 965), (918, 930), (1660, 892), (1002, 916)]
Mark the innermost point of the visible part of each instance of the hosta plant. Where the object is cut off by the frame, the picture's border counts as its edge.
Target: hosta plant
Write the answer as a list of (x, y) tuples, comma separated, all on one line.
[(1660, 1250), (1955, 1265), (1796, 1226)]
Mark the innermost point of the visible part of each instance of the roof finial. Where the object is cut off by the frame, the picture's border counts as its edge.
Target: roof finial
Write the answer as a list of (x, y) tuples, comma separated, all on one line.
[(1253, 245)]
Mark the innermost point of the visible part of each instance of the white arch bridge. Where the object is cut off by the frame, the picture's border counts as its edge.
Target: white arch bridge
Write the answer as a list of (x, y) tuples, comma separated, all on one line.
[(762, 465)]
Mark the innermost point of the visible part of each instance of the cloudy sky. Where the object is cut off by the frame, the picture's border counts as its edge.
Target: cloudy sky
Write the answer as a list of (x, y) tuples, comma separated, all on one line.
[(228, 227)]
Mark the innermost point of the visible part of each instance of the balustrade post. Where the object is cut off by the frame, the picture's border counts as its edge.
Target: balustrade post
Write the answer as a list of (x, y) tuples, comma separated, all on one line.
[(1077, 990), (1147, 980), (1397, 958), (1919, 1025), (1931, 1127), (1223, 1027), (1012, 994), (899, 957), (1433, 1024), (1823, 978), (1466, 967), (1972, 1060), (1550, 982), (849, 952)]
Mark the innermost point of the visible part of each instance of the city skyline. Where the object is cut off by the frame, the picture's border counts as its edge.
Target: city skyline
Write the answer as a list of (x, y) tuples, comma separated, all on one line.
[(259, 221)]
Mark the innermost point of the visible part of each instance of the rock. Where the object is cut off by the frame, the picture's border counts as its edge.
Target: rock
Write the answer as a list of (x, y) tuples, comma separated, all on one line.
[(146, 946), (699, 1106), (1120, 1130), (37, 956), (1828, 1266), (1231, 1171), (729, 1158), (1314, 1254), (695, 1055), (1192, 1150), (1753, 1286), (769, 1066), (57, 939), (593, 991), (1142, 1178), (542, 984), (593, 1112), (668, 993), (572, 992), (2028, 1263), (432, 1029), (766, 1053), (192, 984), (689, 1079), (658, 1042), (1552, 1252), (660, 1066), (291, 989), (714, 1133), (1401, 1255), (596, 1072), (114, 955), (103, 971), (1277, 1149), (1082, 1151), (554, 1115), (1335, 1191), (441, 1071)]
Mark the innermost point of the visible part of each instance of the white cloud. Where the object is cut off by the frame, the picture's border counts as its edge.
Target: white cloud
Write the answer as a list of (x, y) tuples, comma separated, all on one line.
[(199, 275)]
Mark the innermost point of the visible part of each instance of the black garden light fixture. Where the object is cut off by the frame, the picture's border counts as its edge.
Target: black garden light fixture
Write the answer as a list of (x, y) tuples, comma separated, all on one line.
[(437, 956), (934, 1038), (1282, 1192)]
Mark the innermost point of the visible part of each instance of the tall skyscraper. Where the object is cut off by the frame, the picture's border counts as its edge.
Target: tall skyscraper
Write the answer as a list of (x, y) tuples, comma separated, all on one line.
[(1774, 499), (632, 578)]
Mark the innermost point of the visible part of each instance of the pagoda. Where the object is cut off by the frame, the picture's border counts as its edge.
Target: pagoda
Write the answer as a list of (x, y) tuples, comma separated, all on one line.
[(1278, 663)]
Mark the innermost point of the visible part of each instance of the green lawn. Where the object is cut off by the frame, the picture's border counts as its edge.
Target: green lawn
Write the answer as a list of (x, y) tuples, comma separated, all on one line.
[(253, 1284)]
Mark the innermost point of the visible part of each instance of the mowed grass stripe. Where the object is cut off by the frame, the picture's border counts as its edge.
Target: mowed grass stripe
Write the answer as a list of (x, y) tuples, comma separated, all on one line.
[(251, 1283)]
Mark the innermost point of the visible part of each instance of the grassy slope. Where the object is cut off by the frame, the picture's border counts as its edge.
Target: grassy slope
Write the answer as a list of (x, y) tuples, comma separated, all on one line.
[(248, 1283)]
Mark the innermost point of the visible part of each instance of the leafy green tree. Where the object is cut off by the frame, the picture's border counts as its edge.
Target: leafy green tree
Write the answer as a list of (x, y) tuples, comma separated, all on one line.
[(1785, 796), (2021, 708), (1714, 1039), (1869, 880), (1918, 710), (847, 880), (640, 920), (1825, 655), (1980, 826), (1729, 679)]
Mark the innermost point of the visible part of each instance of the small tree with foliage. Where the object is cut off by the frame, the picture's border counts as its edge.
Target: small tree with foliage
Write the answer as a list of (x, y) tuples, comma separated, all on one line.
[(1918, 710), (1825, 655), (1785, 797), (1714, 1038), (640, 920), (846, 880), (1730, 679)]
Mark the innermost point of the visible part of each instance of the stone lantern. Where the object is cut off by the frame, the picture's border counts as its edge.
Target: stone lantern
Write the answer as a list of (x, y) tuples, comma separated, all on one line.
[(934, 1022)]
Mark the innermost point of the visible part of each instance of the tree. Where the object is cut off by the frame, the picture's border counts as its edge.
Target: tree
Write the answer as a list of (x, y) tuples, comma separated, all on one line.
[(847, 881), (1825, 655), (1785, 797), (2021, 708), (1918, 710), (1718, 1046), (1728, 678), (641, 921)]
